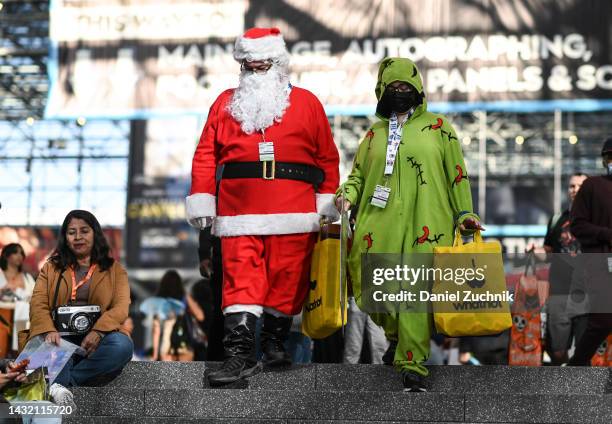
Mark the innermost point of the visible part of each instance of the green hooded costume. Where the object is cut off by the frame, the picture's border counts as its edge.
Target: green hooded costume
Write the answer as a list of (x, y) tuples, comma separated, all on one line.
[(430, 193)]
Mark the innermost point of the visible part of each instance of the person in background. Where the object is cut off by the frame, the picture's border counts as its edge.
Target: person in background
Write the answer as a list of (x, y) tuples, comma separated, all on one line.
[(591, 217), (298, 345), (171, 337), (559, 240), (207, 293), (85, 273), (128, 328), (209, 252), (16, 287), (360, 326)]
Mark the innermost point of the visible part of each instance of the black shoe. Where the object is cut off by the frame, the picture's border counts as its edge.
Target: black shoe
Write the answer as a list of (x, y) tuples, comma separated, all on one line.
[(239, 345), (274, 333), (413, 382), (390, 353), (233, 369)]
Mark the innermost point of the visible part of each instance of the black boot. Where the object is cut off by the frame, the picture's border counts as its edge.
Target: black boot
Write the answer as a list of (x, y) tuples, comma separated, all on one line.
[(239, 345), (274, 333)]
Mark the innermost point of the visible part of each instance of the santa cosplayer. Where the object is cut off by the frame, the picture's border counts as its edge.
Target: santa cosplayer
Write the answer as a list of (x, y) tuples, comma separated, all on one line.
[(264, 175)]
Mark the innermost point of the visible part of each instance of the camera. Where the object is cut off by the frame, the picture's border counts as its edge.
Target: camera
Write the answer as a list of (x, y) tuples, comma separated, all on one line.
[(75, 320)]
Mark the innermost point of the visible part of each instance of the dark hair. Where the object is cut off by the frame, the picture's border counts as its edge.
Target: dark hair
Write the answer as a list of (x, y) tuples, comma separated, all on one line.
[(7, 251), (62, 257), (171, 285), (579, 174)]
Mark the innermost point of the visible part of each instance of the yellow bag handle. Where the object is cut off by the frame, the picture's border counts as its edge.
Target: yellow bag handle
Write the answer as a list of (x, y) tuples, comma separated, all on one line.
[(458, 241)]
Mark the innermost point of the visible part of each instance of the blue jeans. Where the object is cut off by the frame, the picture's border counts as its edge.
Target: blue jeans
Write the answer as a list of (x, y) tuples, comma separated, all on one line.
[(113, 353), (299, 348)]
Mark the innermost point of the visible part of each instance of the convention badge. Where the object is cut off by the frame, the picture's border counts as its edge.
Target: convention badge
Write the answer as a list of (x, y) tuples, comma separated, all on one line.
[(266, 151), (381, 196)]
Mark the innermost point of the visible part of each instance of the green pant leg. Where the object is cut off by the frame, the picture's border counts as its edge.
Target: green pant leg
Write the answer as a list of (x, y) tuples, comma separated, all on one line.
[(413, 342)]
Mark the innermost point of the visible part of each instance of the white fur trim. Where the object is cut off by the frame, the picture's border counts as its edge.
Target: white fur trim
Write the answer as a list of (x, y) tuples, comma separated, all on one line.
[(275, 313), (266, 224), (200, 205), (270, 47), (326, 206), (254, 309)]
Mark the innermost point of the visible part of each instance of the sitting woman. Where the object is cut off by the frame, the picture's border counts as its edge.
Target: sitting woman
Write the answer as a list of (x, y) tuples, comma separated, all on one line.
[(81, 271)]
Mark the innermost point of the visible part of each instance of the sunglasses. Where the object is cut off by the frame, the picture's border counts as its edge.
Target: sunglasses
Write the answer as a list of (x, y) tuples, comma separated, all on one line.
[(258, 67)]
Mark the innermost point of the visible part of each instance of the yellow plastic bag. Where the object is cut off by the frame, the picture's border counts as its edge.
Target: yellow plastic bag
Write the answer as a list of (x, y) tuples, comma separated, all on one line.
[(33, 389), (325, 308), (461, 317)]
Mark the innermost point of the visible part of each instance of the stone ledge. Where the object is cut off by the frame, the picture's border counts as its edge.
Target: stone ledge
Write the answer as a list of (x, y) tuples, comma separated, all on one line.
[(371, 378)]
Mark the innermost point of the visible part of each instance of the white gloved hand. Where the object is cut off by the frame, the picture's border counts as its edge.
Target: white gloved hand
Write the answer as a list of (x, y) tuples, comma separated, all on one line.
[(202, 222)]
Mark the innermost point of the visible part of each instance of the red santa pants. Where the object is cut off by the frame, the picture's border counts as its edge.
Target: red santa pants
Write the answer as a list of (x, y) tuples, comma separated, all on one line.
[(270, 271)]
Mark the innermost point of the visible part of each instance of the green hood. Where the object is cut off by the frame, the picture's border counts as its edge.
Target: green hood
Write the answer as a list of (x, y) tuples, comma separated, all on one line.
[(399, 69)]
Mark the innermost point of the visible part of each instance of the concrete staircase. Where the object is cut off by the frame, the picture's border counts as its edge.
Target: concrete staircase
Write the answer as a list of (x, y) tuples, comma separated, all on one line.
[(160, 393)]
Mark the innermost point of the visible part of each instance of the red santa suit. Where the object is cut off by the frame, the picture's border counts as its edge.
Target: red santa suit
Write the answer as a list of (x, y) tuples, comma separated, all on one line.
[(268, 226)]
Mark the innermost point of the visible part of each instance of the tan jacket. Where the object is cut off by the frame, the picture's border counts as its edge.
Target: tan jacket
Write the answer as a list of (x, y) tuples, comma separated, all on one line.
[(109, 289)]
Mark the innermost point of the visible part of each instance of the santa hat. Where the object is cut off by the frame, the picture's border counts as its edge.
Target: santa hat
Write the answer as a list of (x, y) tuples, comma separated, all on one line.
[(261, 44)]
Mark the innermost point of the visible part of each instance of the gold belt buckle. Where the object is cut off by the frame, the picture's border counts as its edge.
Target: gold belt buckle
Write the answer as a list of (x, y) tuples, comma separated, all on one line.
[(265, 169)]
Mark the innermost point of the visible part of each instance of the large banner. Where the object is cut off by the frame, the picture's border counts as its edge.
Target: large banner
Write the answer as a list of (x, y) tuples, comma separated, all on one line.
[(157, 234), (143, 58)]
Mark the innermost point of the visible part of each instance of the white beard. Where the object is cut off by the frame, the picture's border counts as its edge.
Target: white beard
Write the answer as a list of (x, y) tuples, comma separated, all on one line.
[(260, 99)]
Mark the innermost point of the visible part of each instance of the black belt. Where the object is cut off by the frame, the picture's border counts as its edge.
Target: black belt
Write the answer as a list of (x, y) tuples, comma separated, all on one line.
[(270, 170)]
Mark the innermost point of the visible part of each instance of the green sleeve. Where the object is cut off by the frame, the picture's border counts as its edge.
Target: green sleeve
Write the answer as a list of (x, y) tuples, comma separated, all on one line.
[(353, 186), (458, 183)]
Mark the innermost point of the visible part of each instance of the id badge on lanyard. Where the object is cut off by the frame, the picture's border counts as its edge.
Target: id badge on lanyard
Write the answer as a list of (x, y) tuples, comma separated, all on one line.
[(381, 196), (382, 193), (266, 149)]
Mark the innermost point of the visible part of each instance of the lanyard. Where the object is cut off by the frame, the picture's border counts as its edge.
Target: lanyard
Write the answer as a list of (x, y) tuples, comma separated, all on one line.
[(393, 142), (75, 285)]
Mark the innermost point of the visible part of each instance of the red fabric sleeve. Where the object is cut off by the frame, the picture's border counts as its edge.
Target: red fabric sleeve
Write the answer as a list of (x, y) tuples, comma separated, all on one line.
[(326, 156), (204, 164)]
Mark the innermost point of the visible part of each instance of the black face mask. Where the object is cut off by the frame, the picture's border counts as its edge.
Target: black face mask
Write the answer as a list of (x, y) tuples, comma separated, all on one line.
[(398, 102)]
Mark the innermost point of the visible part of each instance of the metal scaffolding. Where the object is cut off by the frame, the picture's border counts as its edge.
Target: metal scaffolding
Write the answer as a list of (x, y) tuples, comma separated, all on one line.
[(50, 165), (24, 46)]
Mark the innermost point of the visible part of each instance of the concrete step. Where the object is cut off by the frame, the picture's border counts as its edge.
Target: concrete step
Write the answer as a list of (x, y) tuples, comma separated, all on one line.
[(292, 406), (160, 393), (377, 378)]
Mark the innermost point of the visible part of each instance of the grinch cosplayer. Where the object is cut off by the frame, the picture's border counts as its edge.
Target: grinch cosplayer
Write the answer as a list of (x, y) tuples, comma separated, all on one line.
[(411, 187)]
